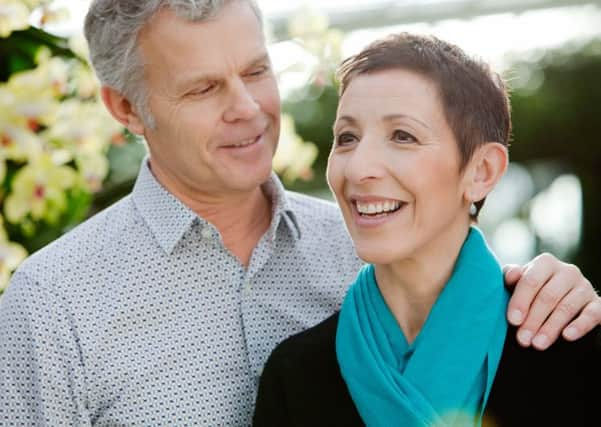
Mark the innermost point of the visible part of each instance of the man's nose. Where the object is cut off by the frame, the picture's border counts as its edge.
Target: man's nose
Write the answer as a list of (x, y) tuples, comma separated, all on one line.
[(241, 103)]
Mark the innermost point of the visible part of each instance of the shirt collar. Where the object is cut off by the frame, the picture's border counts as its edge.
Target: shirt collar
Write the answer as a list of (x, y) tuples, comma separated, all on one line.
[(166, 216), (169, 219), (281, 207)]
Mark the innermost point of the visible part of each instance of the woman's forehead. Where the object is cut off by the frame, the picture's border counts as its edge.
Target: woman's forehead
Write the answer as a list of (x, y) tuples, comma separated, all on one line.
[(389, 92)]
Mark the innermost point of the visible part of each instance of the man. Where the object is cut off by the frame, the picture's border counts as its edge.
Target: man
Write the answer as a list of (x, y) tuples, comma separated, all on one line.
[(162, 309)]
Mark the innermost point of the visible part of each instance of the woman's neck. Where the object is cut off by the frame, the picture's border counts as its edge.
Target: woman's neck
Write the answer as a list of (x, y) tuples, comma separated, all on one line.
[(411, 286)]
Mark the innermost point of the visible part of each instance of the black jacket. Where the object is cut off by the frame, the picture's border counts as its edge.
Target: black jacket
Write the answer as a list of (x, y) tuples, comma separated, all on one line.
[(301, 384)]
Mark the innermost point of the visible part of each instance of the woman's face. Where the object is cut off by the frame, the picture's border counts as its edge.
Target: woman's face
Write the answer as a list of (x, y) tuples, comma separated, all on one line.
[(395, 168)]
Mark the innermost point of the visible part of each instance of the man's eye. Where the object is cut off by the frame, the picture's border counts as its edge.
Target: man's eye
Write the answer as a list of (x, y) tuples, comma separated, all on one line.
[(345, 138), (202, 90), (403, 137), (258, 71)]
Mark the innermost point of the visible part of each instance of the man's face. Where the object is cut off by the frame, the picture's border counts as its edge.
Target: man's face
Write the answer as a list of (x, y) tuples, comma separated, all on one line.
[(214, 99)]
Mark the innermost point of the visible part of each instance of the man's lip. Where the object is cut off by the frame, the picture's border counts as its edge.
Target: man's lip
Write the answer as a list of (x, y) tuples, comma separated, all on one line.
[(254, 139)]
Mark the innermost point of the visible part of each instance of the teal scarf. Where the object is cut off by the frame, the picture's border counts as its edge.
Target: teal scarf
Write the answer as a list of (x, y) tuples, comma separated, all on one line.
[(444, 377)]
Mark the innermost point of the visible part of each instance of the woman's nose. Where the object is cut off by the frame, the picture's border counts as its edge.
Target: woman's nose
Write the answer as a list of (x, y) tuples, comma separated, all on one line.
[(365, 162)]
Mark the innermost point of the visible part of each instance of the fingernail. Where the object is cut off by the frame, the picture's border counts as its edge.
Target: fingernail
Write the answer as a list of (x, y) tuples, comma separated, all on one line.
[(515, 317), (525, 337), (541, 341), (570, 333)]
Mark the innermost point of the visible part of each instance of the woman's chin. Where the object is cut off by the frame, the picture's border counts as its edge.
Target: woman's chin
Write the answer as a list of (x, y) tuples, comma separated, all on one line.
[(377, 255)]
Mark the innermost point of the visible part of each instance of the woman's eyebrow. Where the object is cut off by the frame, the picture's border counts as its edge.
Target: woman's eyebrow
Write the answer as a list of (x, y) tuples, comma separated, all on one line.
[(392, 117), (348, 119)]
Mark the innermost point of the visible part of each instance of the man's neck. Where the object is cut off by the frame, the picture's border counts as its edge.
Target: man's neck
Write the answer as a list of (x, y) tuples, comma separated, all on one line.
[(241, 220), (241, 217)]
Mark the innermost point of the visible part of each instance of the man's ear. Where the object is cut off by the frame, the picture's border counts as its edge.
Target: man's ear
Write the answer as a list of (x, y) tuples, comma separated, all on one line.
[(122, 110), (485, 169)]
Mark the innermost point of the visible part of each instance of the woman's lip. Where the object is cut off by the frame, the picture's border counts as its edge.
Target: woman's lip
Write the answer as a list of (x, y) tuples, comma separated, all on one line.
[(372, 199), (376, 220)]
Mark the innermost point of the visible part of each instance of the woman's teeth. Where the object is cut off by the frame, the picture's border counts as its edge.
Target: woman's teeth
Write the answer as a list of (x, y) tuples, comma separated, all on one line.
[(378, 207)]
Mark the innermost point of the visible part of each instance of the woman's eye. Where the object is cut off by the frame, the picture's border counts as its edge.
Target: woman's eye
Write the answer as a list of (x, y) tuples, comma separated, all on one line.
[(403, 137), (345, 138)]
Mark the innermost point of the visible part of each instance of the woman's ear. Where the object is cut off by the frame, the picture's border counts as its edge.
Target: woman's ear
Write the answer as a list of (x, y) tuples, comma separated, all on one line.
[(485, 169), (122, 110)]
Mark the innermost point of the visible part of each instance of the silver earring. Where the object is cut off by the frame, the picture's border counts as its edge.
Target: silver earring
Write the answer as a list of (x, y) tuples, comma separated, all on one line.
[(473, 209)]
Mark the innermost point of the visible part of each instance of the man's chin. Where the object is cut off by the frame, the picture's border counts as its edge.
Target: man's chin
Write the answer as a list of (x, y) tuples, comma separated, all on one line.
[(249, 181)]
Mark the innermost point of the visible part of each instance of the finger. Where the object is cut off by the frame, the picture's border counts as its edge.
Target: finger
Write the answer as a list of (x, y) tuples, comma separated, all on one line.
[(512, 273), (533, 277), (589, 318), (546, 300), (567, 309)]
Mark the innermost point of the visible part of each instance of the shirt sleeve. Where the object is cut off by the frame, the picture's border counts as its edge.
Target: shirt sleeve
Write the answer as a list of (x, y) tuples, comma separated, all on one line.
[(41, 370)]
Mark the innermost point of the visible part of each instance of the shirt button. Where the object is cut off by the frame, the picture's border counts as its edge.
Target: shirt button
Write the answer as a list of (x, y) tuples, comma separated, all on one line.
[(206, 233), (247, 286)]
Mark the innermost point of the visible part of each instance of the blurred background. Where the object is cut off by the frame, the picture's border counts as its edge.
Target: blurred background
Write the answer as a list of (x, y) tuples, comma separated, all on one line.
[(62, 158)]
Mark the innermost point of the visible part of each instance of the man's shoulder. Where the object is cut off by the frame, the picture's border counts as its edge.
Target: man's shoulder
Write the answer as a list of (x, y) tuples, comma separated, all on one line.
[(317, 214), (324, 233), (77, 247), (313, 208)]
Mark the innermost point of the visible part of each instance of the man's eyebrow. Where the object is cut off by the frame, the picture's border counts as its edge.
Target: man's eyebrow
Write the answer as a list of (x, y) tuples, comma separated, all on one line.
[(205, 77), (194, 80), (263, 58)]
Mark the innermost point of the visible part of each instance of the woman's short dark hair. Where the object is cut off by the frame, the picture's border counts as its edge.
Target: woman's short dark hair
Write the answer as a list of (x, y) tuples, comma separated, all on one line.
[(474, 98)]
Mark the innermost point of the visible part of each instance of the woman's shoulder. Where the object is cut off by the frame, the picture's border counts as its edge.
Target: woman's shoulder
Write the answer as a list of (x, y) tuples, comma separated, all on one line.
[(301, 384), (586, 350), (317, 340), (547, 387)]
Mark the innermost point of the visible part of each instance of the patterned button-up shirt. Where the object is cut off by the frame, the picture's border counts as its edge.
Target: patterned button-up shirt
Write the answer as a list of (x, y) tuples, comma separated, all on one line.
[(140, 316)]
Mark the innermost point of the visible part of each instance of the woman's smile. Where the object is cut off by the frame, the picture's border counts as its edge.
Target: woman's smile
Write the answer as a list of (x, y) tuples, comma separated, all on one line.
[(374, 211)]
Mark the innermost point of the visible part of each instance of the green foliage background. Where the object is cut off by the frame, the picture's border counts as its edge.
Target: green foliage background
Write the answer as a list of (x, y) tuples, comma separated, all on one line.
[(559, 120)]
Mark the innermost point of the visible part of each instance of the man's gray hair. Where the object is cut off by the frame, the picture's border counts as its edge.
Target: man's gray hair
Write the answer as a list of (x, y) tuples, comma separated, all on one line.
[(112, 28)]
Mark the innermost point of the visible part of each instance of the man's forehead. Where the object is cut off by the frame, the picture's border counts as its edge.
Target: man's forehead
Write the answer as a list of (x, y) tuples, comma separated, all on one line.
[(217, 71), (231, 40), (170, 20)]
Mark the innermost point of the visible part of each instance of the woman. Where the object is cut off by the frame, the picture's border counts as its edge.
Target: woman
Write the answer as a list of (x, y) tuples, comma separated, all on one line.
[(420, 139)]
